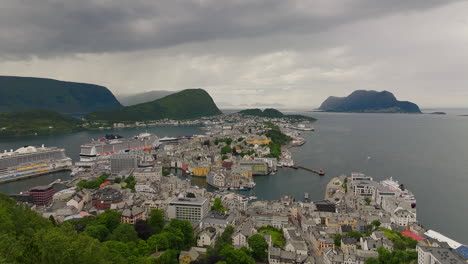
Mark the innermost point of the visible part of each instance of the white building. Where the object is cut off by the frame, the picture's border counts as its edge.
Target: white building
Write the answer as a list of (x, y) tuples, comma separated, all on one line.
[(143, 175), (207, 237), (192, 209), (436, 255)]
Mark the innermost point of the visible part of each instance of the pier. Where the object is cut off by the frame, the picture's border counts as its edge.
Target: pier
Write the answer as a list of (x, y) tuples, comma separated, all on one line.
[(318, 172)]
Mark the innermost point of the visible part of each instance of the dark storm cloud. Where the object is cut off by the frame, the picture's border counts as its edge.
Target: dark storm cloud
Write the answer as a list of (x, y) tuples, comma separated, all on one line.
[(55, 28)]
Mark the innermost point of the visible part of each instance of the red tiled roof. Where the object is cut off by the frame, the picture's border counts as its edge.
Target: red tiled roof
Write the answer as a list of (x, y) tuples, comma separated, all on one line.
[(412, 235)]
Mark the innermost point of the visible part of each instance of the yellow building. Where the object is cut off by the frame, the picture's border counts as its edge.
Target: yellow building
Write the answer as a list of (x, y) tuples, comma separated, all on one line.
[(201, 171), (186, 257), (258, 140)]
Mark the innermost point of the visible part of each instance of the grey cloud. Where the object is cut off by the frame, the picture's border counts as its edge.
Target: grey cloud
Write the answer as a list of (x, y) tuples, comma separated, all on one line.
[(55, 28)]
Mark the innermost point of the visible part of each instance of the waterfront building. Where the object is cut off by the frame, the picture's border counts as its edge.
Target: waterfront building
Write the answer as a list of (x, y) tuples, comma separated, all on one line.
[(437, 255), (41, 195), (201, 171), (192, 209), (121, 162), (325, 206), (258, 167), (216, 178)]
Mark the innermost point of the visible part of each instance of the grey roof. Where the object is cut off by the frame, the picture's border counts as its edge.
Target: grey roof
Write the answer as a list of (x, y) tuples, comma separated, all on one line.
[(444, 255), (274, 251), (348, 240), (188, 201), (132, 212), (286, 255)]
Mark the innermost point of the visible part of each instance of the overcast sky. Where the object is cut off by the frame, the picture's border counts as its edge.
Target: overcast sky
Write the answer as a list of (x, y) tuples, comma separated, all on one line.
[(290, 52)]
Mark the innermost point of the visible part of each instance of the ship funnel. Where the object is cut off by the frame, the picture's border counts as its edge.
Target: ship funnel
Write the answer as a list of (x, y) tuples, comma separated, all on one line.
[(11, 150), (42, 145)]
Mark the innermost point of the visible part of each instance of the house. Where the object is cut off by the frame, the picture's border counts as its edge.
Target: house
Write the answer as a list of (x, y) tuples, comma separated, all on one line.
[(403, 217), (79, 200), (348, 244), (207, 237), (239, 239), (246, 230), (186, 257), (132, 215), (298, 247)]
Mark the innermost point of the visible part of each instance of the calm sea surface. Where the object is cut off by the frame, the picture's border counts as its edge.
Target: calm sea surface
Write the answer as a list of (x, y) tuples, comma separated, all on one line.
[(427, 153)]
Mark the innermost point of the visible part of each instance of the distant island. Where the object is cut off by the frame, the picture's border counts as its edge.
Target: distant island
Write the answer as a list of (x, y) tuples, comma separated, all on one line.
[(144, 97), (28, 93), (37, 122), (186, 104), (273, 113), (362, 101)]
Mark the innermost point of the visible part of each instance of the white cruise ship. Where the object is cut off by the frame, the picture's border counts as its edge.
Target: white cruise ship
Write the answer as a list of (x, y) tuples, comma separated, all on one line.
[(29, 161), (110, 144)]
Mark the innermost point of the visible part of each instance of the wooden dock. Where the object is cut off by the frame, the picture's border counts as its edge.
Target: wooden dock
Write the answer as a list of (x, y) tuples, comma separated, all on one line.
[(319, 172)]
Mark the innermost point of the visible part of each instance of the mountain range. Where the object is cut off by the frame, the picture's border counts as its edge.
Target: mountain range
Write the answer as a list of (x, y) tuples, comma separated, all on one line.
[(186, 104), (28, 93), (368, 102)]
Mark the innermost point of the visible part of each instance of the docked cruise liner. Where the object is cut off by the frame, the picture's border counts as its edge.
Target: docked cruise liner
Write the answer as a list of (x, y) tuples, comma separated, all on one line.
[(29, 161), (106, 146)]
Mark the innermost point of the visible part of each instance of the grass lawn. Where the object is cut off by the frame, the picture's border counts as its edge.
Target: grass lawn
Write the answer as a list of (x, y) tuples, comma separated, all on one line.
[(276, 235)]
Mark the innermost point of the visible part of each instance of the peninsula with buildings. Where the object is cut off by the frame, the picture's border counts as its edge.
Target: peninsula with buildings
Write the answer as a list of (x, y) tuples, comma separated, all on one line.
[(130, 201)]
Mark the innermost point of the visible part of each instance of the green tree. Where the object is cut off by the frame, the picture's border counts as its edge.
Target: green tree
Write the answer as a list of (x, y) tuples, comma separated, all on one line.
[(110, 218), (124, 233), (236, 256), (354, 234), (100, 232), (118, 180), (159, 242), (166, 172), (64, 245), (170, 256), (119, 251), (186, 229), (367, 200), (259, 247), (156, 220), (337, 240), (376, 223), (143, 229), (218, 206), (226, 149), (372, 261)]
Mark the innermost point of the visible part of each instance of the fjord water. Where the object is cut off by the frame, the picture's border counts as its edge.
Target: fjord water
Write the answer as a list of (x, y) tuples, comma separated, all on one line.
[(427, 153)]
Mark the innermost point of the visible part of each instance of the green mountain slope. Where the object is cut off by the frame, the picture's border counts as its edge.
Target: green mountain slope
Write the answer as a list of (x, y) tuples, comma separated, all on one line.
[(187, 104), (273, 113), (26, 93), (40, 122), (368, 101), (140, 98)]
